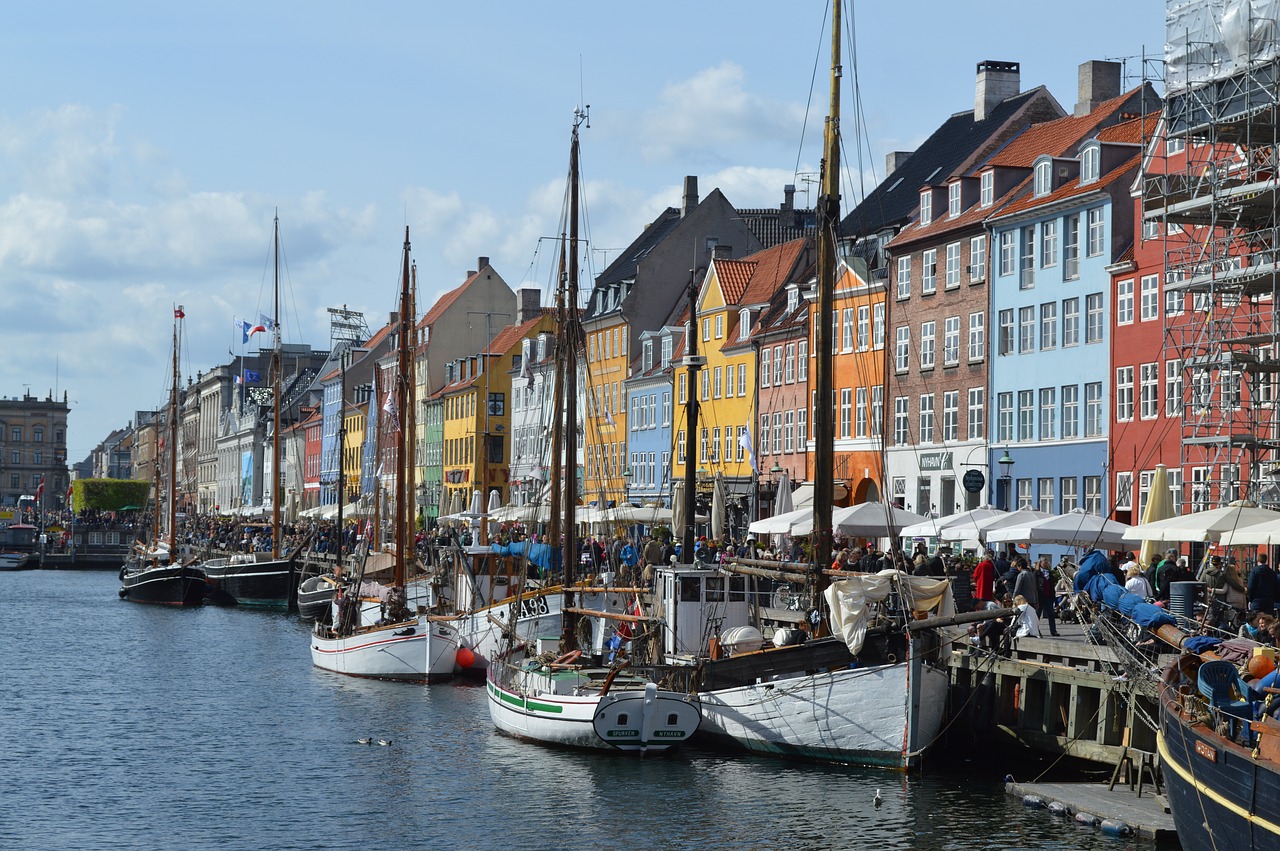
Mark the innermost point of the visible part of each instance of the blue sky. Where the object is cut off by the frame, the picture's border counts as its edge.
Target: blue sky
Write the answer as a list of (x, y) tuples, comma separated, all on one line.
[(144, 148)]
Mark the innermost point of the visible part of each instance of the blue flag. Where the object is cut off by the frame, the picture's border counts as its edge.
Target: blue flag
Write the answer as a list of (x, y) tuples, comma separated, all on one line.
[(251, 377)]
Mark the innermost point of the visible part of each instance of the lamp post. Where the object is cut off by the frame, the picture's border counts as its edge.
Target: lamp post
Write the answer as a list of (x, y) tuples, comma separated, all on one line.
[(1006, 479), (626, 485)]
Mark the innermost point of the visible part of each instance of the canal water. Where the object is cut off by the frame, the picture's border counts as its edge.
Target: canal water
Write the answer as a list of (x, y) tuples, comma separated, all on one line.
[(131, 726)]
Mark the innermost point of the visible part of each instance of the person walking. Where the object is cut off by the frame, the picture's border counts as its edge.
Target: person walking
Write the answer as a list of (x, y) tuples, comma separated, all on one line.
[(984, 580), (1045, 609), (1262, 587), (1027, 585)]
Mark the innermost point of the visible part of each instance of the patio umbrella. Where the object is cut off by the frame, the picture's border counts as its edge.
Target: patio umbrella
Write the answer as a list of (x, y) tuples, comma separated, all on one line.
[(1208, 525), (1076, 528), (1159, 507), (1257, 535), (495, 501), (477, 503), (981, 528), (717, 508), (678, 521), (873, 520), (931, 527), (781, 524), (782, 501)]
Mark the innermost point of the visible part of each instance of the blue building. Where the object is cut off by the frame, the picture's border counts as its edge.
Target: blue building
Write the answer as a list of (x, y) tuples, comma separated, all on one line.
[(649, 401)]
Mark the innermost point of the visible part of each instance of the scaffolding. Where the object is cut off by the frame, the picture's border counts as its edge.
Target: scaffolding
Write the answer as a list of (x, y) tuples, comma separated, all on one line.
[(346, 328), (1210, 192)]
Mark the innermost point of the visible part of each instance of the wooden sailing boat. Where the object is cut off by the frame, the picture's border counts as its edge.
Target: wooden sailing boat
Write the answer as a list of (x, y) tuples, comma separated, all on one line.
[(402, 644), (155, 573), (555, 698), (265, 580), (864, 695)]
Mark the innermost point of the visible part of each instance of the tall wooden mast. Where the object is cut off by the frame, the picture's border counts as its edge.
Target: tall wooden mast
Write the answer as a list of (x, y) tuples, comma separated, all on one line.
[(173, 437), (571, 333), (403, 396), (278, 401)]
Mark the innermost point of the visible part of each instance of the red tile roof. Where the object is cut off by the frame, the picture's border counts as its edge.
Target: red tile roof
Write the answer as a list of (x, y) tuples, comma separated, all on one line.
[(733, 275), (446, 301), (1135, 131), (1070, 189), (508, 336)]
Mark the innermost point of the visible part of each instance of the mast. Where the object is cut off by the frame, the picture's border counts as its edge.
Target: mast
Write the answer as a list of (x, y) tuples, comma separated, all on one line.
[(556, 481), (173, 439), (572, 331), (694, 363), (276, 368), (404, 397), (342, 443), (828, 221)]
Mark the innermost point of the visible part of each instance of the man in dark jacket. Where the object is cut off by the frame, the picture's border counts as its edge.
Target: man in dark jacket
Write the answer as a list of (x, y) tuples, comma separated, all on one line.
[(1028, 585), (1262, 587)]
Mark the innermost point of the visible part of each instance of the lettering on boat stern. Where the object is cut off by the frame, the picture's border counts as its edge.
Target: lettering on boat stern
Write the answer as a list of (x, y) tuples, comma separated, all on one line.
[(1207, 751), (668, 734), (623, 734)]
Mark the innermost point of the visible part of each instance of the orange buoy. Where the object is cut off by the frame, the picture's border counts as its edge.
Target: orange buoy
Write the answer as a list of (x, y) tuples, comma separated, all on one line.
[(1260, 666), (465, 658)]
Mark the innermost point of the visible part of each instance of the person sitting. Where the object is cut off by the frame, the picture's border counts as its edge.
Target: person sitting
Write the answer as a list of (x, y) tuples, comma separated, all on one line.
[(1027, 624)]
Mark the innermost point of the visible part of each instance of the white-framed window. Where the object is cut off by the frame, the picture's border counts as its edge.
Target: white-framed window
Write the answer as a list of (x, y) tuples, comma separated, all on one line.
[(951, 341), (864, 327), (1070, 411), (790, 371), (1048, 325), (929, 271), (706, 331), (1124, 302), (926, 206), (1124, 393), (1090, 163), (904, 277), (1093, 494), (901, 420), (902, 350), (1124, 490), (951, 416), (953, 199), (1071, 248), (1150, 229), (719, 326), (1024, 493), (1048, 413), (1093, 328), (1150, 304), (719, 382), (1043, 184), (1047, 500), (977, 420), (846, 411), (1026, 329), (1093, 409), (1149, 391), (1026, 415), (1005, 339), (1004, 417), (777, 432), (877, 409), (789, 429), (860, 412), (765, 434), (953, 265), (1070, 322), (1049, 243), (928, 332), (802, 428), (977, 336), (766, 367), (715, 445), (802, 358), (1172, 387), (744, 323), (1027, 258), (1097, 232), (1175, 145), (1174, 302), (1008, 253), (706, 386), (877, 326), (926, 418), (978, 258), (846, 330), (987, 193)]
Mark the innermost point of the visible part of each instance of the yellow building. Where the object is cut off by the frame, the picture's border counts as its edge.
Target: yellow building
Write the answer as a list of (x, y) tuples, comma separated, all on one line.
[(354, 419), (605, 416)]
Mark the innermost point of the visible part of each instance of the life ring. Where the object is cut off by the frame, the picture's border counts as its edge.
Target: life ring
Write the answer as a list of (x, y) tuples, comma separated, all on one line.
[(568, 658)]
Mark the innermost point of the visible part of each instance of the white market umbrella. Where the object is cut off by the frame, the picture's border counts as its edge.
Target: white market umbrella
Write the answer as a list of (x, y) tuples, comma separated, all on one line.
[(782, 500), (495, 501), (644, 515), (678, 519), (1076, 528), (1208, 525), (981, 529), (717, 508), (931, 527), (781, 524), (865, 520), (1257, 535), (1159, 507), (477, 503)]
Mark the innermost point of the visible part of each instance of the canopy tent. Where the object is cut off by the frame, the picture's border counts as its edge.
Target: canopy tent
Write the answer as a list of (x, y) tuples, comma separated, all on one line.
[(1076, 528), (1208, 525), (930, 528), (981, 528)]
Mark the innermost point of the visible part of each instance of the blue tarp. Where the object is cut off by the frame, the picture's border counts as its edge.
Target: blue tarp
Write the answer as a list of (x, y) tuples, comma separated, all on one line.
[(540, 555), (1200, 643), (1095, 578)]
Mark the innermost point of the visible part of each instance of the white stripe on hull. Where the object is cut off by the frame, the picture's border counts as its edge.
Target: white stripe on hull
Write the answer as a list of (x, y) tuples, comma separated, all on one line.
[(417, 651)]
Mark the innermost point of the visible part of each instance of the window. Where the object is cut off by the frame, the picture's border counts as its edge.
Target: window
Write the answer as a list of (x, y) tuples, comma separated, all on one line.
[(789, 430), (846, 408), (744, 323), (953, 265), (977, 336), (802, 363), (1070, 322), (1096, 232), (1004, 415), (1090, 163), (790, 371), (1048, 413), (901, 411), (37, 434), (1124, 302), (1150, 297), (668, 347), (684, 388), (765, 434), (766, 367), (953, 200), (846, 330), (16, 434), (777, 432), (1093, 318), (1093, 409), (951, 416), (1049, 243), (951, 341), (1070, 498), (1046, 495), (902, 350), (706, 385), (719, 382), (977, 258), (924, 495), (926, 206), (860, 413), (928, 331), (1026, 330), (719, 326), (706, 330), (1093, 494), (802, 424), (1070, 411), (1024, 493), (929, 271), (1124, 393), (1027, 259), (987, 193), (1043, 178), (1174, 302), (1008, 253), (877, 326), (1172, 387), (1124, 490), (977, 422), (926, 418), (1175, 146), (904, 277), (666, 408), (1026, 415), (1149, 391), (864, 327), (1006, 332), (1071, 249), (1048, 325)]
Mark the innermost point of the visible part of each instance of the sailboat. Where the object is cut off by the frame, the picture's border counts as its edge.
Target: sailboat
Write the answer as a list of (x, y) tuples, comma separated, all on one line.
[(155, 573), (562, 696), (263, 579), (863, 694), (402, 644)]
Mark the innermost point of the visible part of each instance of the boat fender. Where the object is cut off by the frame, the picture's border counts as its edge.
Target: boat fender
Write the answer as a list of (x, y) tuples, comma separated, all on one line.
[(122, 572), (1058, 808), (124, 592), (409, 631), (1087, 819), (1034, 802), (891, 658), (1115, 827), (568, 658)]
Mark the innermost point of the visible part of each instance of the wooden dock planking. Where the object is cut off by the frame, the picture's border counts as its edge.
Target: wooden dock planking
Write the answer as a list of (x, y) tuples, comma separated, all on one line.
[(1146, 815)]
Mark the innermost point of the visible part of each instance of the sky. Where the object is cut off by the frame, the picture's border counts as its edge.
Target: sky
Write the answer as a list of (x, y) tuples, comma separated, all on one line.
[(145, 148)]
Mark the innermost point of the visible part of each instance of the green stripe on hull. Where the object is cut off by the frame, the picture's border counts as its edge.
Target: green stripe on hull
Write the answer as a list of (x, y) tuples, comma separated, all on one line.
[(525, 703)]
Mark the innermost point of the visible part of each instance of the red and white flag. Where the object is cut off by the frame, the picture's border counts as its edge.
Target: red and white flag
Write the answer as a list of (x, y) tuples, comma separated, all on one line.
[(40, 489)]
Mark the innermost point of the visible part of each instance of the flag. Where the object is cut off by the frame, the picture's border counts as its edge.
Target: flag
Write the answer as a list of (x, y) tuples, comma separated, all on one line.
[(744, 440), (251, 377), (40, 489), (69, 493), (608, 415), (389, 405), (248, 329), (178, 313), (265, 322), (239, 379)]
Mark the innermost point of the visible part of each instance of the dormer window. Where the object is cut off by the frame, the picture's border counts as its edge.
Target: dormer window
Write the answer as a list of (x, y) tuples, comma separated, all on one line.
[(542, 347), (744, 323), (668, 343), (1044, 177), (1090, 163), (793, 299), (926, 207), (953, 200), (647, 355), (987, 196)]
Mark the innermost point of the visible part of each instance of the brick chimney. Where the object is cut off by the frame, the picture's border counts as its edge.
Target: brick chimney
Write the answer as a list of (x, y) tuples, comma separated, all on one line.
[(893, 159), (996, 82), (690, 199), (721, 252), (1097, 81), (528, 304), (789, 197)]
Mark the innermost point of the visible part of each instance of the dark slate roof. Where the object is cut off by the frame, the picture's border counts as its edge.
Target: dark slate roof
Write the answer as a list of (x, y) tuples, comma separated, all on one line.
[(624, 267), (774, 226), (893, 201)]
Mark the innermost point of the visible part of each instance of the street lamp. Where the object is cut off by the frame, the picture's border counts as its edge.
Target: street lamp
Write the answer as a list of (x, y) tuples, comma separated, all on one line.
[(1006, 478), (626, 484)]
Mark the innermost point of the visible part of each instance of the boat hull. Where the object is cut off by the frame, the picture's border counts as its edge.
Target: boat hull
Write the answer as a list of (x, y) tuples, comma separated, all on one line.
[(315, 597), (416, 651), (1219, 795), (539, 617), (860, 716), (166, 585), (17, 561), (262, 584)]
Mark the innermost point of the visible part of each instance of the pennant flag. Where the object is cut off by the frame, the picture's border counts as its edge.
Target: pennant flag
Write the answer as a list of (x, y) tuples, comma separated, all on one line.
[(178, 313), (744, 440)]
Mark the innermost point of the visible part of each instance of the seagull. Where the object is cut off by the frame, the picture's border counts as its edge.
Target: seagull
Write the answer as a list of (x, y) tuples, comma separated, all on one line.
[(384, 742), (364, 741), (878, 799)]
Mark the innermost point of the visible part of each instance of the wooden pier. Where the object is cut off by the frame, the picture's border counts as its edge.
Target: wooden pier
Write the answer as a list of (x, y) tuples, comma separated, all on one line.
[(1147, 816)]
